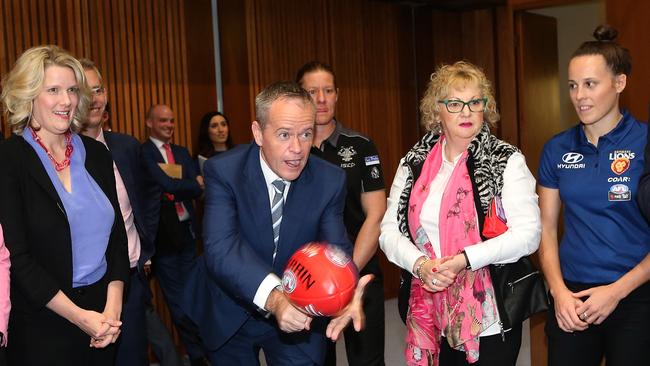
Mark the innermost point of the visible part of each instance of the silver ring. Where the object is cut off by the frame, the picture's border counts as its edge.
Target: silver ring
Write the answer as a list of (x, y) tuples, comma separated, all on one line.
[(434, 281), (584, 316)]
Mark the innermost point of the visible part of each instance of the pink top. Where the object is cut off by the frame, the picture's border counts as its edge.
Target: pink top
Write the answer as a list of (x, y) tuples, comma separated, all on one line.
[(5, 304)]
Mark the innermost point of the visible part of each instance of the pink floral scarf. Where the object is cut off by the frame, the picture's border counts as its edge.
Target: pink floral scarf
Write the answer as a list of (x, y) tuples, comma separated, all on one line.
[(467, 307)]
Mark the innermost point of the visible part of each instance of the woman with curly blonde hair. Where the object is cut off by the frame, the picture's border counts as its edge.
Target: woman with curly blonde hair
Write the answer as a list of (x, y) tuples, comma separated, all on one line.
[(61, 218), (434, 225)]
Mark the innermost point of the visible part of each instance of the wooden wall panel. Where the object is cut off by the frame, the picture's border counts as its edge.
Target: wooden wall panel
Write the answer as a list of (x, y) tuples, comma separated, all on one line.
[(199, 61), (140, 47), (505, 79), (631, 20), (536, 4), (234, 66)]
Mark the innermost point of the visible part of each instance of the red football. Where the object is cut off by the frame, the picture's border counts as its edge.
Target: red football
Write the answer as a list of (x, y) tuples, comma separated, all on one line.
[(320, 279)]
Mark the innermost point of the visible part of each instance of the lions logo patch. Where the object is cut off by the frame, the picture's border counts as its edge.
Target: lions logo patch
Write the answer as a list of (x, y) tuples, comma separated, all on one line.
[(620, 165)]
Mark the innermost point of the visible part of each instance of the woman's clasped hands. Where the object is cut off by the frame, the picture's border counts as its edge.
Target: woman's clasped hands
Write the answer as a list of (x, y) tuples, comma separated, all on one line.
[(439, 273), (103, 328)]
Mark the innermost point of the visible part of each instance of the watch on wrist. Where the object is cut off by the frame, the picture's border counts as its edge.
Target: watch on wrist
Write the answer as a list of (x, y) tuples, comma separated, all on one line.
[(468, 266)]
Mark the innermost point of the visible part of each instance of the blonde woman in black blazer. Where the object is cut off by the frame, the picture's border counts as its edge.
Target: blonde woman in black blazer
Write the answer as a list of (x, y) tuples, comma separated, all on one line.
[(54, 319)]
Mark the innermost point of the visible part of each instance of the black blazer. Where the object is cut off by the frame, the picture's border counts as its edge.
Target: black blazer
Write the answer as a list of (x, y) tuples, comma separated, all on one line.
[(36, 228), (144, 198)]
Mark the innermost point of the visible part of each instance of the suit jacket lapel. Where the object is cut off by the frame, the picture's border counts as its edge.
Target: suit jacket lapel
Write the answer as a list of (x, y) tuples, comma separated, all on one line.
[(123, 164), (150, 145), (38, 172), (256, 194), (91, 165)]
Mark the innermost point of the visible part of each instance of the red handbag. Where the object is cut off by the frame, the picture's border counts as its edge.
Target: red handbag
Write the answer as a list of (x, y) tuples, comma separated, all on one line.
[(495, 220)]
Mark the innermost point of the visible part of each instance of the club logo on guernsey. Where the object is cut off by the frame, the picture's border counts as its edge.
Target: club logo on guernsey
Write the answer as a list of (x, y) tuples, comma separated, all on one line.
[(619, 192), (621, 160), (346, 153), (572, 160), (374, 172)]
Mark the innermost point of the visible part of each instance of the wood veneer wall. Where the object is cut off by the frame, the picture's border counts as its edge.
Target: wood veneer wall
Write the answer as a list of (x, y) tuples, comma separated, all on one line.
[(141, 47), (631, 20)]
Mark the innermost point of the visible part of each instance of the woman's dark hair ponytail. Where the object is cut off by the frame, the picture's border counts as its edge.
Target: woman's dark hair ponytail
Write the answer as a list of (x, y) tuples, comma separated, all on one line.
[(617, 57)]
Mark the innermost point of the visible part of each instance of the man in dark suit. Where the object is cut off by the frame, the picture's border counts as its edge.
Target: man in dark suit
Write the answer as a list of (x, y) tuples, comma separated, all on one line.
[(138, 206), (234, 292), (173, 173)]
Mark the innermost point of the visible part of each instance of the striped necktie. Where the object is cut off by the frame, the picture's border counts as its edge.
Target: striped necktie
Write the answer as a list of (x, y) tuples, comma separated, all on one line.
[(276, 212)]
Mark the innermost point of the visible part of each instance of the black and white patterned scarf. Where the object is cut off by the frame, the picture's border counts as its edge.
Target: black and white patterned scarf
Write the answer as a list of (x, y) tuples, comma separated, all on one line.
[(489, 155)]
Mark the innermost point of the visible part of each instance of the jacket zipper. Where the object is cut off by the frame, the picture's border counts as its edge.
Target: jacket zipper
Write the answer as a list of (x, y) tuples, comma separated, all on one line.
[(513, 283)]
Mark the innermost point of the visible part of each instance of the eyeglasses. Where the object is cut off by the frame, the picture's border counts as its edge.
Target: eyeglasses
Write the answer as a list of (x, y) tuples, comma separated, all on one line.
[(98, 90), (457, 105)]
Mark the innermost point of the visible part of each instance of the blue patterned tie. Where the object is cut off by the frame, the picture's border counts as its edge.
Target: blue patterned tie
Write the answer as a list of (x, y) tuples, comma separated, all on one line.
[(276, 212)]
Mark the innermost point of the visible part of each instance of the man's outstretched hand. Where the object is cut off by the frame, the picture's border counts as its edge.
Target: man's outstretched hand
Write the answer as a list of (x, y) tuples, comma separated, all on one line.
[(353, 312)]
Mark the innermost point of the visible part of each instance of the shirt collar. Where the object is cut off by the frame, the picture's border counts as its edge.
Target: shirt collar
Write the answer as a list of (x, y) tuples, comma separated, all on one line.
[(333, 139), (157, 142), (269, 175), (101, 138), (613, 136)]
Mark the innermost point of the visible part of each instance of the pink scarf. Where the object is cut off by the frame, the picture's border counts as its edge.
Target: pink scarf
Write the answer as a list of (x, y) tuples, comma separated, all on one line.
[(467, 307)]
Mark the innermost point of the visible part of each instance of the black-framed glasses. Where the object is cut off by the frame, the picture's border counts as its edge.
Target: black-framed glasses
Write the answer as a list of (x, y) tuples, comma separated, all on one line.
[(457, 105), (98, 90)]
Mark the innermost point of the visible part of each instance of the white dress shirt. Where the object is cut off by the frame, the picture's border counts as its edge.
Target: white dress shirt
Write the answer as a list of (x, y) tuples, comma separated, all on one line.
[(271, 280)]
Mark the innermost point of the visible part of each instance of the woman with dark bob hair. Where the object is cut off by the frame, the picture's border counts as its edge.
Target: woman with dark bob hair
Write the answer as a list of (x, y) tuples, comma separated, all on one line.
[(598, 272), (61, 218), (434, 227)]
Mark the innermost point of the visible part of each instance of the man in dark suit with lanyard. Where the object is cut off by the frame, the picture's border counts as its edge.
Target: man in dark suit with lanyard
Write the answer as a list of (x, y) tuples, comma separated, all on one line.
[(137, 204), (263, 202), (173, 172)]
